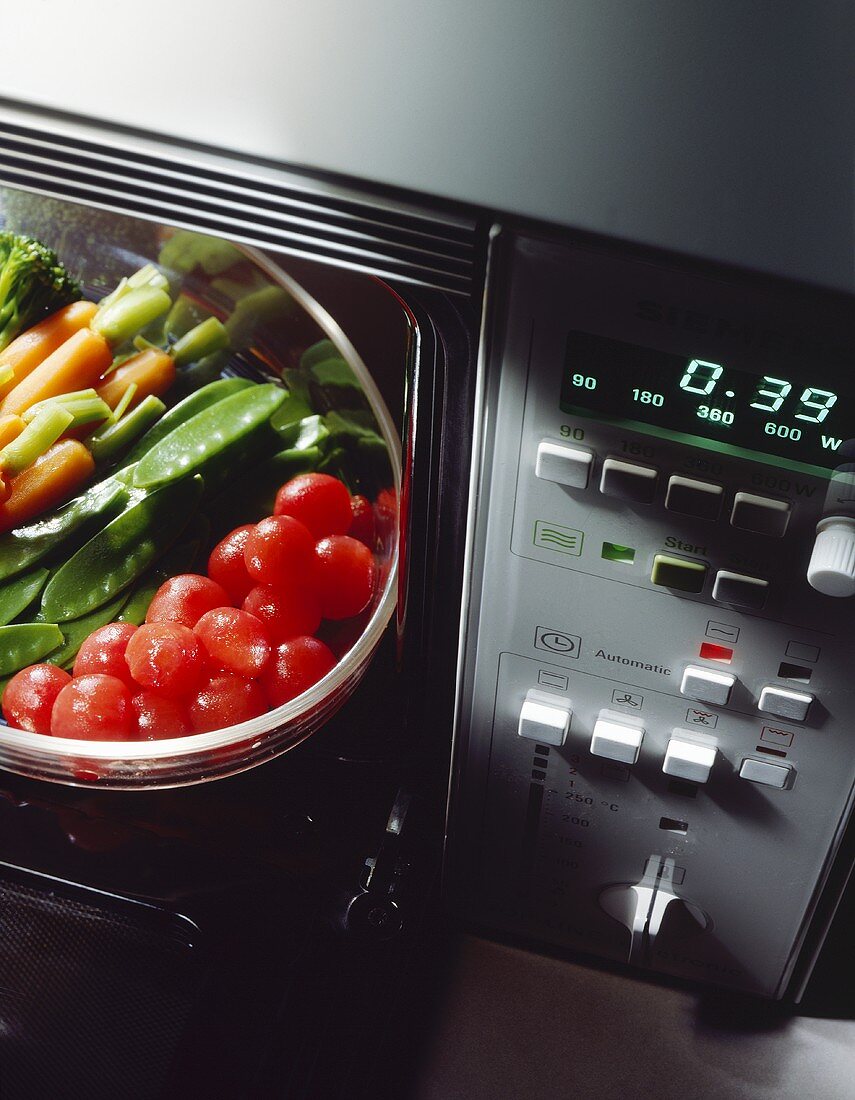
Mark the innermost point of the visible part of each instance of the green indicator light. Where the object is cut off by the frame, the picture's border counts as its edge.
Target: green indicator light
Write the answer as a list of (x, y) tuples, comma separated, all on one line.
[(613, 552)]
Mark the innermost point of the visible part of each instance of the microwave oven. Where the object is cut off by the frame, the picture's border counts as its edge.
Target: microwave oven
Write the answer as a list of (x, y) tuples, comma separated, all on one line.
[(618, 317)]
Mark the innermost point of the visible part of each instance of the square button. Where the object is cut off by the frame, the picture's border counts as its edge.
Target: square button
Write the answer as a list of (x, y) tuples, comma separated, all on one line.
[(707, 684), (785, 702), (628, 481), (740, 591), (678, 573), (563, 464), (701, 499), (769, 775), (762, 515)]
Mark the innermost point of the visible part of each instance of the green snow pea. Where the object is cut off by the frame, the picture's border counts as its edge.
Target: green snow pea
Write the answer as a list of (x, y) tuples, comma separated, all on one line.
[(215, 441), (20, 593), (24, 643), (191, 405), (25, 546), (76, 631), (120, 552), (255, 493), (180, 559)]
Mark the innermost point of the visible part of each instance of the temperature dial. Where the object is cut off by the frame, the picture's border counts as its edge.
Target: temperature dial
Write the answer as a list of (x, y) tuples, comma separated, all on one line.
[(642, 908)]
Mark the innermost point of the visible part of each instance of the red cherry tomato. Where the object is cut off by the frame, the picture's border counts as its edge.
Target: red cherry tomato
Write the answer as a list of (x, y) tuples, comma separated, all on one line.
[(185, 599), (227, 567), (362, 524), (285, 611), (30, 694), (94, 708), (166, 657), (158, 717), (234, 640), (104, 651), (279, 551), (343, 575), (318, 501), (294, 667), (224, 701)]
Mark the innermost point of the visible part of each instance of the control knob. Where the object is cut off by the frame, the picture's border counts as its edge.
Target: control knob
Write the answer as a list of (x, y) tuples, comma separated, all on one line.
[(642, 908), (832, 563)]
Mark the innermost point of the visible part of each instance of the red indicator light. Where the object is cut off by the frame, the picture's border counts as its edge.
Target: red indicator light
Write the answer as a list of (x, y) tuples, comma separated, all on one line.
[(711, 652)]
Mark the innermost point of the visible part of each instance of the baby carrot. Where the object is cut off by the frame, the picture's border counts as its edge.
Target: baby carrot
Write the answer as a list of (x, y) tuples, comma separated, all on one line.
[(153, 372), (75, 365), (52, 479), (10, 428), (25, 353)]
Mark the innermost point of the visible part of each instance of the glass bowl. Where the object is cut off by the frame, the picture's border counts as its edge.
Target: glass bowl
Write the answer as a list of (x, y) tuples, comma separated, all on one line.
[(270, 337)]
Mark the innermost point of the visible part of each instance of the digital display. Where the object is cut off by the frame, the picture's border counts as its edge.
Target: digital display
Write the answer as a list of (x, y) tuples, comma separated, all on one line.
[(710, 404)]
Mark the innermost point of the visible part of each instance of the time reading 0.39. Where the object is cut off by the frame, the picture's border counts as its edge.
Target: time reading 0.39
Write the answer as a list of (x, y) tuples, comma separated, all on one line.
[(664, 394)]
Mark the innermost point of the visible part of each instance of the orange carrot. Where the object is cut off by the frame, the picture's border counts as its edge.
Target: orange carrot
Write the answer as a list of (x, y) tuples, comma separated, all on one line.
[(25, 353), (152, 370), (10, 428), (52, 479), (75, 365)]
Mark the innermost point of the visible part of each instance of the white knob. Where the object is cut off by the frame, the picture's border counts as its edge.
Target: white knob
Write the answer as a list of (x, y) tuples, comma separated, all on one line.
[(832, 563)]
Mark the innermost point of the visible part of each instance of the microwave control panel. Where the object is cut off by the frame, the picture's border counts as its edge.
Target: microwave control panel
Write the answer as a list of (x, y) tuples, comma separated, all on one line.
[(655, 742)]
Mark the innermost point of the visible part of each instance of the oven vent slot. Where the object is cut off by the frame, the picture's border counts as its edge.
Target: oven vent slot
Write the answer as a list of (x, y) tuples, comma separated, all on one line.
[(253, 203)]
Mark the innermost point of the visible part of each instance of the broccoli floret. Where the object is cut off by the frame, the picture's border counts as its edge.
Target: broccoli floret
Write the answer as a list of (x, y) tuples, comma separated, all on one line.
[(33, 283)]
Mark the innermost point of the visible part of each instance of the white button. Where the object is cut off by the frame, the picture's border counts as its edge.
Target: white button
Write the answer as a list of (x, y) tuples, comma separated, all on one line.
[(708, 685), (617, 737), (690, 757), (628, 481), (564, 464), (545, 717), (760, 771), (785, 703), (761, 514)]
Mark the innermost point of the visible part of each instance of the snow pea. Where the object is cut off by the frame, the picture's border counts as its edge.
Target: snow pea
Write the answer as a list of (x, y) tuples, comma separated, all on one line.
[(191, 405), (25, 546), (180, 559), (20, 593), (24, 643), (76, 631), (219, 438), (121, 551)]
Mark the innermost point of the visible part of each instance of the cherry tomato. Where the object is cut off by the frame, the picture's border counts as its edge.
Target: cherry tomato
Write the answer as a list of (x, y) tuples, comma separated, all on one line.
[(166, 657), (294, 667), (318, 501), (30, 694), (93, 708), (362, 524), (234, 640), (158, 717), (285, 611), (224, 701), (104, 651), (185, 599), (279, 551), (343, 575), (227, 567)]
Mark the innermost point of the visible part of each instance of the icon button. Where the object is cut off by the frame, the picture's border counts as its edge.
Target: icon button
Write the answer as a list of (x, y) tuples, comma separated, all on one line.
[(558, 641), (627, 699), (723, 631), (553, 679), (553, 536), (704, 718)]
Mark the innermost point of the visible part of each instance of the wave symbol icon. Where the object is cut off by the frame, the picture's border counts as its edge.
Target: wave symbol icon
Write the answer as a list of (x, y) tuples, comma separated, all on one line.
[(553, 536)]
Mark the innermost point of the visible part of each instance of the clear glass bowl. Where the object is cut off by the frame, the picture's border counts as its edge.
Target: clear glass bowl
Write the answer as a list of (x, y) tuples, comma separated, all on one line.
[(100, 247)]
